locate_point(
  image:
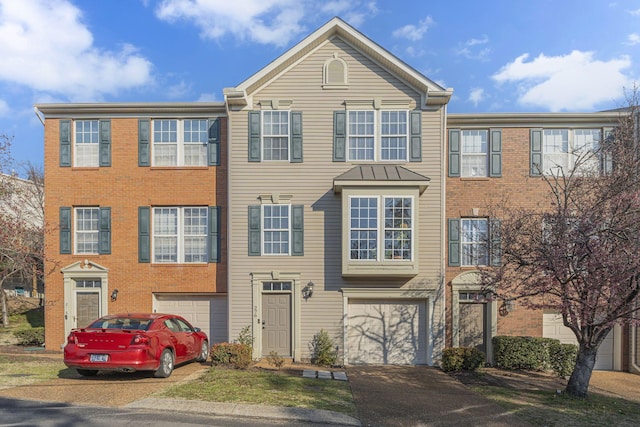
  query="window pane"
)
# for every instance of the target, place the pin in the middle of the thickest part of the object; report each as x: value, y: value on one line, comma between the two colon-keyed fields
x: 195, y: 232
x: 474, y: 152
x: 555, y: 148
x: 165, y: 234
x: 394, y: 135
x: 398, y: 226
x: 87, y: 230
x: 586, y: 143
x: 276, y: 229
x: 86, y: 143
x: 196, y: 138
x: 275, y: 131
x: 363, y: 233
x: 361, y: 135
x: 474, y: 241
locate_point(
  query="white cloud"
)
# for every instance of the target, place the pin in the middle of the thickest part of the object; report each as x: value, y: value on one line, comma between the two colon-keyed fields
x: 414, y: 32
x: 208, y: 97
x: 61, y: 57
x: 4, y: 108
x: 575, y: 81
x: 633, y: 39
x: 634, y: 12
x: 263, y: 21
x: 476, y: 96
x: 471, y: 49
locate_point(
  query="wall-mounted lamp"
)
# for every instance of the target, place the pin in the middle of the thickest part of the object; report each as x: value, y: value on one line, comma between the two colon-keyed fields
x: 507, y: 307
x: 307, y: 291
x: 114, y: 295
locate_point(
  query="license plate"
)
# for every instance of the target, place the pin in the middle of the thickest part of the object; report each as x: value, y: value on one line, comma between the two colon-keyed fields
x: 99, y: 357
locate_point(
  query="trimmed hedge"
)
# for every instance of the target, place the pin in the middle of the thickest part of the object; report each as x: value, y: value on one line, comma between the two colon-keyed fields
x: 30, y: 336
x: 455, y: 359
x: 534, y: 354
x: 231, y: 354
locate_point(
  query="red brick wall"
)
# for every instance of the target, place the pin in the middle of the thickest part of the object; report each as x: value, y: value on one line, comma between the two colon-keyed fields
x: 464, y: 194
x: 124, y: 187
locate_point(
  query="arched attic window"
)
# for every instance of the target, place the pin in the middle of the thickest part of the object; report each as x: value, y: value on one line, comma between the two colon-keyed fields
x: 334, y: 73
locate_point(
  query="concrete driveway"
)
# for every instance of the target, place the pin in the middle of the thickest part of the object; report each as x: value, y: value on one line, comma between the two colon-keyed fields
x: 420, y: 396
x: 107, y: 389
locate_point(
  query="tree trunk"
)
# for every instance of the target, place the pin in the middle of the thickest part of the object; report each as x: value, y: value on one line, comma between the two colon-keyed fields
x: 5, y: 309
x: 578, y: 384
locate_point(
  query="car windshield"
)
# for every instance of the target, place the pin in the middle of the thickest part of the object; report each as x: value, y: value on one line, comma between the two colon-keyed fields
x: 121, y: 323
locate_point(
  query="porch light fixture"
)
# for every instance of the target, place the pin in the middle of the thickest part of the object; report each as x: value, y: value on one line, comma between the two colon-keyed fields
x: 307, y: 291
x: 114, y: 295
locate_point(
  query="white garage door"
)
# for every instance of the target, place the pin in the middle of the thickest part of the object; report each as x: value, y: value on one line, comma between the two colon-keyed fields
x: 552, y: 327
x: 206, y: 312
x: 387, y: 332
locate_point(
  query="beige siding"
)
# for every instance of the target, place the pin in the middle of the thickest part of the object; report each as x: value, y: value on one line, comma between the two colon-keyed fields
x: 310, y: 184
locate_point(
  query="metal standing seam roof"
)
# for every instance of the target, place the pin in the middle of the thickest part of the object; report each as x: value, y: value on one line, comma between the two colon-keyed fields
x: 381, y: 175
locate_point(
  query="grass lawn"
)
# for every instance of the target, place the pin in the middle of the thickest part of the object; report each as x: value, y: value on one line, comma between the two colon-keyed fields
x: 546, y: 408
x: 263, y: 387
x: 24, y: 370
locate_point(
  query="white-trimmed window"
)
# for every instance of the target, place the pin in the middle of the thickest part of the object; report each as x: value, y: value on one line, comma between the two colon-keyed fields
x: 180, y: 142
x: 275, y: 135
x: 393, y: 233
x: 377, y: 135
x: 180, y: 234
x: 474, y: 241
x: 86, y: 230
x: 562, y: 148
x: 473, y: 153
x: 275, y: 229
x: 86, y: 143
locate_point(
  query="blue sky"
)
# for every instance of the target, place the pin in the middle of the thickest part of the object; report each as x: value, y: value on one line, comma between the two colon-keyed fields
x: 497, y: 55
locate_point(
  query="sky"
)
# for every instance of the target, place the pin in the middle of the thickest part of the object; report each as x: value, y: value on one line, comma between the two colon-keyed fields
x: 497, y: 55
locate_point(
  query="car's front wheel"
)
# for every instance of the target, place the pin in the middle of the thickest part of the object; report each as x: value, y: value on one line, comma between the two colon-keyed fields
x: 204, y: 352
x: 87, y: 372
x: 166, y: 364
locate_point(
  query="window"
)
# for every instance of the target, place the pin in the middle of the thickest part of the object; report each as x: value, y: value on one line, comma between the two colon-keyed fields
x: 87, y: 231
x: 368, y: 141
x: 474, y: 153
x: 275, y: 229
x: 275, y: 134
x: 365, y: 230
x: 180, y: 142
x: 180, y: 234
x: 564, y: 149
x: 474, y: 241
x: 276, y: 286
x: 87, y: 143
x: 88, y: 283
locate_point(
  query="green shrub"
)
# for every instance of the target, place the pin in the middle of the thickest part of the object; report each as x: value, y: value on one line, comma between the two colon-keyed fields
x: 562, y: 358
x: 30, y: 336
x: 527, y: 353
x: 323, y: 351
x: 275, y: 360
x: 234, y: 355
x: 455, y: 359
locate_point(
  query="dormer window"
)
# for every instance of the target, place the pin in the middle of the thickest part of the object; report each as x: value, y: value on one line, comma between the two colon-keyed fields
x: 334, y: 73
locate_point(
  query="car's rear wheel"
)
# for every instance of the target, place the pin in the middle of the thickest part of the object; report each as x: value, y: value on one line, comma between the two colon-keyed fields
x: 166, y: 364
x: 204, y: 352
x: 87, y: 372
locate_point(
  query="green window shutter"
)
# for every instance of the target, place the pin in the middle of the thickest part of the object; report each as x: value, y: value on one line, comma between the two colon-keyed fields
x: 105, y: 143
x: 495, y: 250
x: 454, y: 152
x: 213, y: 148
x: 65, y: 143
x: 297, y: 230
x: 454, y: 242
x: 296, y: 137
x: 144, y: 234
x: 606, y: 160
x: 339, y: 136
x: 254, y: 136
x: 536, y: 166
x: 104, y: 231
x: 495, y: 153
x: 65, y: 230
x: 415, y: 142
x: 214, y: 233
x: 255, y: 240
x: 144, y: 141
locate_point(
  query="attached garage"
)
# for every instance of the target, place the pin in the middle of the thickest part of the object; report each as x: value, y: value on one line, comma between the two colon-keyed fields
x: 385, y: 332
x: 206, y: 312
x: 552, y: 327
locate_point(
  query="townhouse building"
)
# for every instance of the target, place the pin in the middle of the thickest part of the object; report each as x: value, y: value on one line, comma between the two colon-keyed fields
x: 329, y: 191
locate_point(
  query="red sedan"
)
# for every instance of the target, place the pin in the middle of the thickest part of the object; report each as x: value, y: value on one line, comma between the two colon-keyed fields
x: 135, y: 342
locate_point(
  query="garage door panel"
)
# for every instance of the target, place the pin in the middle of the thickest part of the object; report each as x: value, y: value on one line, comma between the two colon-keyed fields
x: 205, y: 312
x: 387, y: 332
x: 553, y: 327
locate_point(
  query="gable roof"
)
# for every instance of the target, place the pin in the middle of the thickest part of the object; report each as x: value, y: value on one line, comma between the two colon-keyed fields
x: 432, y: 92
x: 380, y: 175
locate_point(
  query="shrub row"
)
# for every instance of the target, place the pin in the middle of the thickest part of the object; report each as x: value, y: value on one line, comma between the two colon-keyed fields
x: 534, y: 353
x: 30, y: 336
x: 456, y: 359
x: 233, y: 355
